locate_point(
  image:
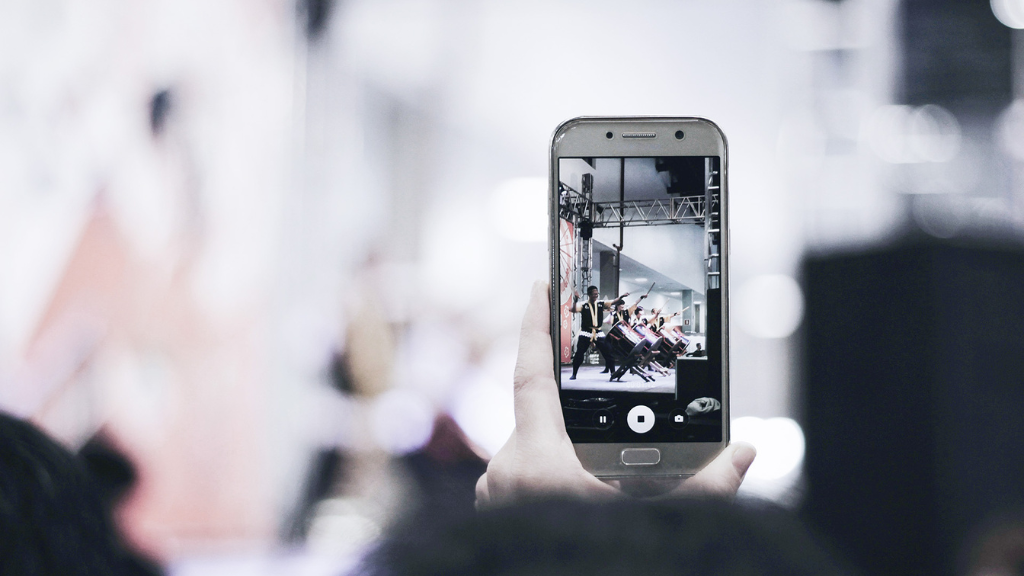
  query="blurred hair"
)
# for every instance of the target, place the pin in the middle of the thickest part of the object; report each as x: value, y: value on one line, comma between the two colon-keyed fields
x: 52, y: 517
x: 592, y: 288
x: 566, y: 536
x: 111, y: 471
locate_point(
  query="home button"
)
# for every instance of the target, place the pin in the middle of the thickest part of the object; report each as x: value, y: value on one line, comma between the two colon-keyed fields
x: 641, y: 456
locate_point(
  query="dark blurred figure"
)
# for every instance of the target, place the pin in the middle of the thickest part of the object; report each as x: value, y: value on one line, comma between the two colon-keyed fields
x: 997, y: 547
x: 441, y: 475
x: 445, y: 470
x: 325, y: 472
x: 620, y: 537
x: 53, y: 520
x: 115, y: 476
x: 914, y: 391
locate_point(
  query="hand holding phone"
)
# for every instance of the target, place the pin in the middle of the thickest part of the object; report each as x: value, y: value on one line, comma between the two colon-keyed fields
x: 539, y: 457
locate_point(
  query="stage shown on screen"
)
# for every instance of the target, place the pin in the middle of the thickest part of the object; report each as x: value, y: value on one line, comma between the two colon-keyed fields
x: 639, y: 295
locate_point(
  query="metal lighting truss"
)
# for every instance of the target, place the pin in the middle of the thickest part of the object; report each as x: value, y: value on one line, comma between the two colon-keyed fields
x: 677, y: 210
x: 712, y: 228
x: 615, y: 213
x: 701, y: 210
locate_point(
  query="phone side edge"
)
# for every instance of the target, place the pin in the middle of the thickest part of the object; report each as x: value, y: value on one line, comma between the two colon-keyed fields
x: 554, y: 249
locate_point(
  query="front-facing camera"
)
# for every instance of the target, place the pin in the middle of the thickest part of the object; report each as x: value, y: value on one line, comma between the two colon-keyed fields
x: 609, y: 135
x: 679, y: 134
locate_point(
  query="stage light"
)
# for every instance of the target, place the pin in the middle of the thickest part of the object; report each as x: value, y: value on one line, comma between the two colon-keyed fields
x: 641, y: 279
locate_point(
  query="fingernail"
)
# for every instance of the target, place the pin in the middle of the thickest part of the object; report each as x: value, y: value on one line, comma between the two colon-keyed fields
x: 743, y: 457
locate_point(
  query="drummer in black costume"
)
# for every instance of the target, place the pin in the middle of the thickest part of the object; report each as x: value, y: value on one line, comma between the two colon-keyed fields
x: 592, y: 318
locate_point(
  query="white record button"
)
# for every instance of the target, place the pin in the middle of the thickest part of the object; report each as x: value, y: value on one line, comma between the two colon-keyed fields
x: 640, y: 419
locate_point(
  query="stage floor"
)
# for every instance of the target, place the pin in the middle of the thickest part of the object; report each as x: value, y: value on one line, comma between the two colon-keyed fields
x: 590, y: 378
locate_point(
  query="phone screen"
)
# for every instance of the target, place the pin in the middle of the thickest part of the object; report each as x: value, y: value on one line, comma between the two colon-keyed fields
x: 640, y: 299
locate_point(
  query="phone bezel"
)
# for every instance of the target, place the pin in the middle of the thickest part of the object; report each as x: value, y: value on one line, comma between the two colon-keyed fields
x: 584, y: 137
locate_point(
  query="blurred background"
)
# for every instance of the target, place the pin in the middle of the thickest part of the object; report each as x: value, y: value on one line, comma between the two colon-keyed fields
x: 275, y: 252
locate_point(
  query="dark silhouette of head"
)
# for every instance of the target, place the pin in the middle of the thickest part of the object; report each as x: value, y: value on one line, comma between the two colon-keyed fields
x: 52, y: 516
x: 627, y: 537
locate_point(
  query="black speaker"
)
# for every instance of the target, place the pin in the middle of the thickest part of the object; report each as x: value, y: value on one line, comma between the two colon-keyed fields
x: 586, y: 229
x: 913, y: 391
x: 693, y: 381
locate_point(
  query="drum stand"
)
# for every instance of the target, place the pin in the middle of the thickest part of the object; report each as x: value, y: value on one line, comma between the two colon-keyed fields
x: 630, y: 363
x: 648, y: 360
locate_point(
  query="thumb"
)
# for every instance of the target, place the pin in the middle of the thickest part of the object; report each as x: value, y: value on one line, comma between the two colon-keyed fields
x: 537, y: 405
x: 723, y: 476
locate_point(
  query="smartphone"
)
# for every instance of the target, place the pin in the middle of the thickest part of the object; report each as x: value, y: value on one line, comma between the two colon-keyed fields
x: 639, y: 233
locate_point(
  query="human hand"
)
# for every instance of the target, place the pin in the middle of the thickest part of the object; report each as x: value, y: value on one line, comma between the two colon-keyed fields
x: 539, y: 457
x: 644, y: 296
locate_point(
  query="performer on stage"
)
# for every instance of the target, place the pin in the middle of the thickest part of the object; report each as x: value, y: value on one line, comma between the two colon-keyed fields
x: 622, y: 314
x: 638, y: 317
x: 658, y: 321
x: 590, y: 329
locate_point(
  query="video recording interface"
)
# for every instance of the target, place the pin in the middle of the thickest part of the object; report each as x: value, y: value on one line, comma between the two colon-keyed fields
x: 640, y: 310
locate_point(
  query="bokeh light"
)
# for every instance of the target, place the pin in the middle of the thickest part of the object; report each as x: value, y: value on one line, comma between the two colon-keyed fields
x: 1009, y: 12
x: 902, y: 134
x: 768, y: 306
x: 401, y: 420
x: 779, y: 443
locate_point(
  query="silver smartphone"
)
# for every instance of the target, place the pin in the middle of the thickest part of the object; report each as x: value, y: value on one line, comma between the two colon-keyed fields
x: 640, y: 292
